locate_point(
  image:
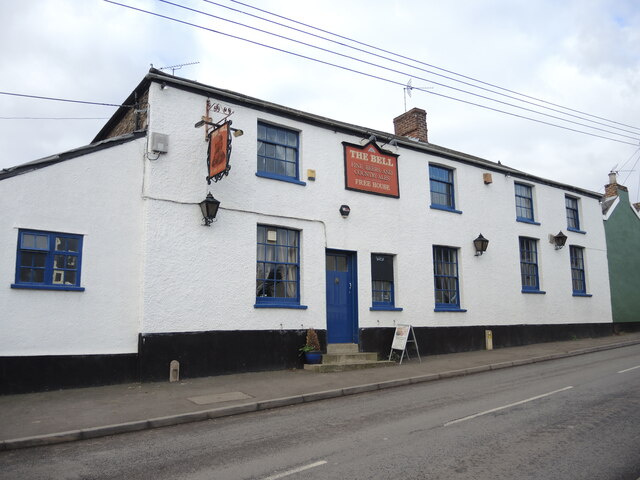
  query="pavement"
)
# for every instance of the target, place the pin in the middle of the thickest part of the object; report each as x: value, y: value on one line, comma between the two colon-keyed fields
x: 46, y: 418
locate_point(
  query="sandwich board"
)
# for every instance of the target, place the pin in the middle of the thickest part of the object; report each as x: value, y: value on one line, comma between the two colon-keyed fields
x: 401, y: 338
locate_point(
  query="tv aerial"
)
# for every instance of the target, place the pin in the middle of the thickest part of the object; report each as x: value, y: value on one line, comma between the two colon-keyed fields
x: 173, y: 68
x: 407, y: 91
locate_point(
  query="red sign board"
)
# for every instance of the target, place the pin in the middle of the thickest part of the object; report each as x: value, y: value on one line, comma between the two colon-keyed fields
x: 371, y: 170
x: 219, y: 152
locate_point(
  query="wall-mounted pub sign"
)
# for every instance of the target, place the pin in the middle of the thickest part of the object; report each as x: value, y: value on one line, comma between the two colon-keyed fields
x: 371, y: 170
x: 219, y: 152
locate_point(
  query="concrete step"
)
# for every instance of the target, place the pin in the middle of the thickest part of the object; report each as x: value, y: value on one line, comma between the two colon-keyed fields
x: 327, y: 368
x: 341, y: 348
x: 343, y: 358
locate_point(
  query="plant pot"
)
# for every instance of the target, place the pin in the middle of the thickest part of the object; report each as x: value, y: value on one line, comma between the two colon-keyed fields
x: 313, y: 357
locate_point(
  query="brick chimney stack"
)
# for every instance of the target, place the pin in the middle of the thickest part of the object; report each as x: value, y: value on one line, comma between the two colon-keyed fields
x: 611, y: 189
x: 412, y: 124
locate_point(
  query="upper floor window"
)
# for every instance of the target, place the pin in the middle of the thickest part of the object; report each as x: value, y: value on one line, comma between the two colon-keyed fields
x: 578, y: 280
x: 48, y: 260
x: 278, y: 151
x: 573, y: 214
x: 524, y: 203
x: 382, y: 283
x: 278, y: 266
x: 442, y: 188
x: 529, y: 265
x: 445, y: 276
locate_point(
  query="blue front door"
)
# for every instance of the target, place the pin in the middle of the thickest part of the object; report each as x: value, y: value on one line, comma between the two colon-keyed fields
x: 342, y: 317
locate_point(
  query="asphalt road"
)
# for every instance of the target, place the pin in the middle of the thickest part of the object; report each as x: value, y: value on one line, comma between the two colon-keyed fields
x: 575, y: 418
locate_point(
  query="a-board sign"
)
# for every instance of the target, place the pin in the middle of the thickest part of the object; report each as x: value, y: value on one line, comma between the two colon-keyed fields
x: 400, y: 337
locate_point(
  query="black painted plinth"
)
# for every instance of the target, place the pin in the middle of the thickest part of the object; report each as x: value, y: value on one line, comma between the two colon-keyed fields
x: 40, y: 373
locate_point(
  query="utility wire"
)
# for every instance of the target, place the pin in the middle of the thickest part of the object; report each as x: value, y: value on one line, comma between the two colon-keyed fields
x: 54, y: 118
x: 342, y: 67
x: 349, y: 57
x: 413, y: 66
x: 64, y: 100
x: 633, y: 167
x: 430, y: 65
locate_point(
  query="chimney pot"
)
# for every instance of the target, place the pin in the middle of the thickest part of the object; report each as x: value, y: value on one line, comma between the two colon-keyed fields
x: 611, y: 189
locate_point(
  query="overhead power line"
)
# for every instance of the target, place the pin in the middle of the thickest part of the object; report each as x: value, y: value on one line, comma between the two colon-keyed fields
x: 64, y: 100
x: 353, y: 70
x: 359, y: 60
x: 416, y: 67
x: 54, y: 118
x: 422, y: 63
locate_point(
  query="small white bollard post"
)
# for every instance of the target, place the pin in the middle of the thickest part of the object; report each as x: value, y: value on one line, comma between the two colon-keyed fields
x: 174, y: 371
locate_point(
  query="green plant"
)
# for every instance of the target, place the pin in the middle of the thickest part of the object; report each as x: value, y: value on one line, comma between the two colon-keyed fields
x: 312, y: 343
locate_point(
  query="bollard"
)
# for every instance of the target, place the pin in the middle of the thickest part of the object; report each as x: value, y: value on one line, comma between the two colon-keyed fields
x: 488, y: 337
x: 174, y: 371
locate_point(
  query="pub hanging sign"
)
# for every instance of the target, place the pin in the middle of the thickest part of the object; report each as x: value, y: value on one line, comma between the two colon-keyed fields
x: 369, y: 169
x: 219, y: 152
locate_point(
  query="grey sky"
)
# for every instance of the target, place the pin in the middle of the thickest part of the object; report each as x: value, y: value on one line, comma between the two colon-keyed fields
x: 583, y: 54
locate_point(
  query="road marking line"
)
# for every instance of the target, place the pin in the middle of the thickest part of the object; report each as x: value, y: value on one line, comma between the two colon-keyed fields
x: 506, y: 406
x: 628, y: 370
x: 296, y: 470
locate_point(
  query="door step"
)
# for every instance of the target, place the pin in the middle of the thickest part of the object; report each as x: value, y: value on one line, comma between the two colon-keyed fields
x: 342, y: 357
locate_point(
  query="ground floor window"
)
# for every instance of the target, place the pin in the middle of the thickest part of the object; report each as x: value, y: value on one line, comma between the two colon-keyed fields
x: 578, y: 280
x: 278, y: 266
x: 445, y: 275
x: 529, y: 264
x: 382, y: 288
x: 49, y: 260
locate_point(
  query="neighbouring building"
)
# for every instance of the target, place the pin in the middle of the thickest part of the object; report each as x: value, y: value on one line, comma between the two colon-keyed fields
x: 110, y: 274
x: 622, y: 230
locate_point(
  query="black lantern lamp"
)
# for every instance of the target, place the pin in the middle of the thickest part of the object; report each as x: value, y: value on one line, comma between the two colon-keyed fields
x: 209, y: 207
x: 481, y: 245
x: 345, y: 211
x: 559, y: 240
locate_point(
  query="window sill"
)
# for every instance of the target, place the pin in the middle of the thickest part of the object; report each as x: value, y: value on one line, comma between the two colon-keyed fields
x: 273, y: 176
x: 294, y: 306
x: 445, y: 208
x: 385, y: 309
x: 538, y: 292
x: 448, y: 309
x: 65, y: 288
x: 575, y: 230
x: 577, y: 294
x: 526, y: 220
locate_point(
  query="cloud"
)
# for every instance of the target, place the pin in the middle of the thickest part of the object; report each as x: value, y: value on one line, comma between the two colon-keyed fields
x: 581, y: 54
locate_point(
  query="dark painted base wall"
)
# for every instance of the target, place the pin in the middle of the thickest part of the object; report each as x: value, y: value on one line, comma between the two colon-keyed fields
x: 36, y: 374
x: 441, y: 340
x: 224, y: 352
x: 220, y: 352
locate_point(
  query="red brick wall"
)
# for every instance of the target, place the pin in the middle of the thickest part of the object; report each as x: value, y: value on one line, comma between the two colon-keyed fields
x: 412, y: 124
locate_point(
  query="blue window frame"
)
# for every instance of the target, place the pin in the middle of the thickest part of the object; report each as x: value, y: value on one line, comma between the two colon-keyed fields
x: 278, y: 153
x: 578, y: 280
x: 382, y: 282
x: 278, y: 266
x: 445, y: 276
x: 442, y: 188
x: 524, y: 203
x: 529, y: 264
x: 48, y: 260
x: 573, y: 214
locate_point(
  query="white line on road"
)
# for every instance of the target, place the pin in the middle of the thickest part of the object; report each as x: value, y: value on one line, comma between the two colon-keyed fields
x: 296, y: 470
x: 506, y: 406
x: 628, y: 370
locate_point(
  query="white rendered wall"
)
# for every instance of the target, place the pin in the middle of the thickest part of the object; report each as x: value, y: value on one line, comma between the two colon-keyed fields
x: 199, y: 279
x: 96, y: 195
